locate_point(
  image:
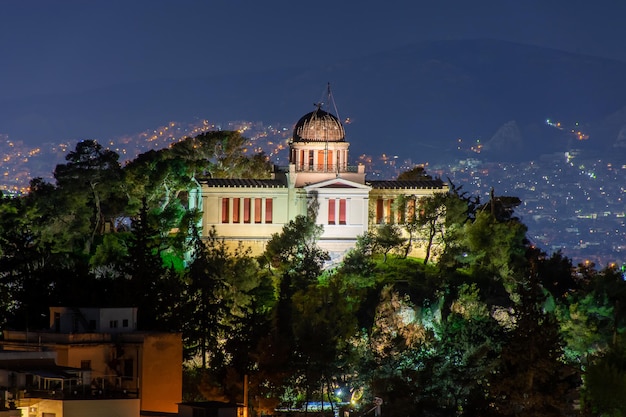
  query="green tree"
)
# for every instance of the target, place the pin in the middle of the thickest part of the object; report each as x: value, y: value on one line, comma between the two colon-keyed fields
x: 294, y: 252
x: 460, y: 209
x: 324, y: 324
x: 358, y: 261
x: 496, y: 247
x: 605, y: 383
x: 387, y: 238
x: 461, y: 360
x: 205, y: 307
x: 532, y: 378
x: 414, y: 174
x: 431, y: 221
x: 92, y: 178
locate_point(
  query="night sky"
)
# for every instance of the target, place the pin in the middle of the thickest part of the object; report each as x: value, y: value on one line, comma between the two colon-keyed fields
x: 51, y: 46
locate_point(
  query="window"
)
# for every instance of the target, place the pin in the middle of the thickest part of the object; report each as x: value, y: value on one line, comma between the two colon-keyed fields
x: 342, y: 211
x: 301, y: 159
x: 246, y: 210
x: 225, y: 210
x: 85, y: 365
x: 92, y: 325
x: 331, y: 211
x: 389, y: 211
x: 268, y: 210
x: 258, y: 204
x: 379, y: 211
x: 311, y: 153
x: 236, y: 211
x: 113, y: 324
x: 125, y: 323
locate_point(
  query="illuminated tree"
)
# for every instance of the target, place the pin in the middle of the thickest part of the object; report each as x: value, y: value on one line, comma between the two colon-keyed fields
x: 496, y: 247
x: 358, y: 261
x: 431, y: 221
x: 92, y: 179
x: 466, y: 352
x: 387, y: 238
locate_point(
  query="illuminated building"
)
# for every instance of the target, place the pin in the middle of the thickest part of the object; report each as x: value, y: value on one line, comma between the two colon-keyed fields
x: 250, y: 211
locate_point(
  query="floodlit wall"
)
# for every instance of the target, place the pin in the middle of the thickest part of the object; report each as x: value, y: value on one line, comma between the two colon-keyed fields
x: 101, y: 408
x: 161, y: 376
x: 82, y: 408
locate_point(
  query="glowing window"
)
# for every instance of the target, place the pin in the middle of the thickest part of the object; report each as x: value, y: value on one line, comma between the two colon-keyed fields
x: 225, y: 210
x: 379, y: 211
x: 342, y: 211
x: 331, y: 211
x: 258, y: 204
x: 268, y: 210
x: 246, y: 210
x: 236, y: 210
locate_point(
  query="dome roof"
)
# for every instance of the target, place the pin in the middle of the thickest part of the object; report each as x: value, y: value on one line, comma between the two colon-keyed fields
x: 318, y: 126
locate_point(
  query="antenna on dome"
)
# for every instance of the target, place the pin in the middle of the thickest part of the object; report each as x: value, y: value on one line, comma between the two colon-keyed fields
x: 329, y: 101
x: 332, y: 100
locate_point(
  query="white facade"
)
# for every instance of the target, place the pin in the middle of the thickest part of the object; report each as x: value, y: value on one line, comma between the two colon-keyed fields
x: 318, y: 174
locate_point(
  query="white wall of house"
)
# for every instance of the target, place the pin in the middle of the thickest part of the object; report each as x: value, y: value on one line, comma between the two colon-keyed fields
x: 105, y: 320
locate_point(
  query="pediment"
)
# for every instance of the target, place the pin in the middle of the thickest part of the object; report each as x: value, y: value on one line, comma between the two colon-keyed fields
x: 338, y: 184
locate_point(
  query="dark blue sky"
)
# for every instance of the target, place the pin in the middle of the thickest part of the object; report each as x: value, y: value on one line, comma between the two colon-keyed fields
x: 51, y: 46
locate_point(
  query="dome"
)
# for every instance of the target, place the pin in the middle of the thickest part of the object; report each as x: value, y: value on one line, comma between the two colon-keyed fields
x: 318, y: 126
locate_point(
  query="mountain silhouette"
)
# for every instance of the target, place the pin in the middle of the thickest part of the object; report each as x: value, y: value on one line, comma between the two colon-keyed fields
x: 415, y: 101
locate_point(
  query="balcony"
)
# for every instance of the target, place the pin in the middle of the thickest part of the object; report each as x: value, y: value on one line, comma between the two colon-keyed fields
x: 27, y: 396
x: 320, y: 168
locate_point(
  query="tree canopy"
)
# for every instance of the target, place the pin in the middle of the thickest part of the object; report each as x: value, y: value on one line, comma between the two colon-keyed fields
x: 484, y: 324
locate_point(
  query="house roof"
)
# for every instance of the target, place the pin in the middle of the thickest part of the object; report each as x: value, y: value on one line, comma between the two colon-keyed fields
x: 408, y: 185
x: 46, y: 368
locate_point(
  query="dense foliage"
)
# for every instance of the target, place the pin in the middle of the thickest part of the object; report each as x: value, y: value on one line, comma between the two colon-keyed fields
x: 484, y: 325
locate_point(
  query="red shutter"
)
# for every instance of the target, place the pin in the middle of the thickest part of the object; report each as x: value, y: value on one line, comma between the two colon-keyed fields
x: 236, y: 210
x: 225, y: 210
x: 342, y: 211
x: 257, y: 209
x: 331, y: 211
x: 246, y: 210
x: 268, y: 210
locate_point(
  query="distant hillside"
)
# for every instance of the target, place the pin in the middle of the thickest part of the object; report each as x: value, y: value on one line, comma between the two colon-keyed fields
x: 415, y: 101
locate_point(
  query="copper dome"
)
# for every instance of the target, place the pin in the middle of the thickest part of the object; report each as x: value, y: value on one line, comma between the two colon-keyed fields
x: 318, y: 126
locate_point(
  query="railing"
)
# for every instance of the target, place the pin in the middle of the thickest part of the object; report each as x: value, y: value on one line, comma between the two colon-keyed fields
x: 79, y: 392
x: 322, y: 168
x: 39, y: 338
